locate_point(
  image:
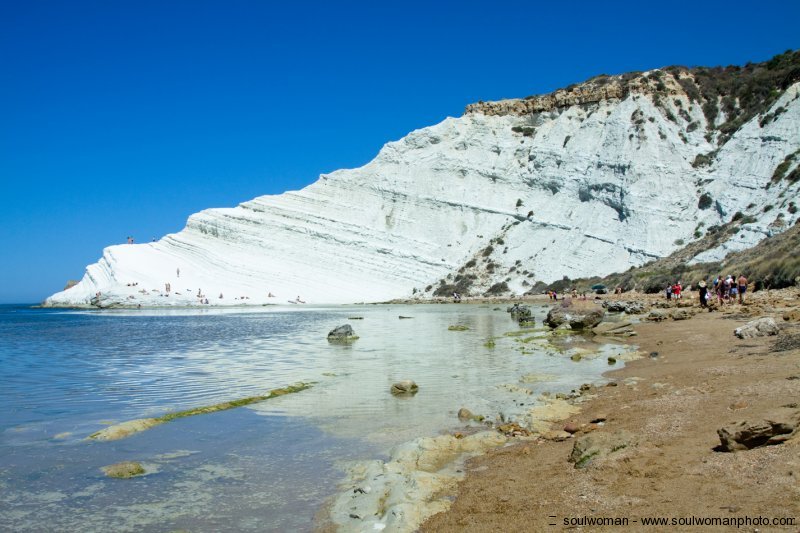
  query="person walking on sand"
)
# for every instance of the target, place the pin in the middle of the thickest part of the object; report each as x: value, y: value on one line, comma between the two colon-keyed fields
x: 178, y: 271
x: 703, y: 290
x: 742, y: 283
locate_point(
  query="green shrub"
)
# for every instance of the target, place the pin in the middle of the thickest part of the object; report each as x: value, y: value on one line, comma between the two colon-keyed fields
x: 497, y: 288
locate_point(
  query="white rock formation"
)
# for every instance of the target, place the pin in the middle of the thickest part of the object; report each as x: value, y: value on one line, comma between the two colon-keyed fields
x: 585, y: 183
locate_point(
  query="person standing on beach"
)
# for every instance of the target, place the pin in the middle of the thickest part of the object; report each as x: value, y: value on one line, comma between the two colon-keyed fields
x: 178, y: 271
x: 742, y: 282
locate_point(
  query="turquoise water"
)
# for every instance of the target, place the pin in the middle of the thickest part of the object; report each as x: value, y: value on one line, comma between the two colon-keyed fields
x: 268, y: 467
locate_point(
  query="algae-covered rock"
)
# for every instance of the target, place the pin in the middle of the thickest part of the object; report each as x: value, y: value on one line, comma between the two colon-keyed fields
x: 595, y: 445
x: 125, y: 429
x: 458, y: 327
x: 124, y: 470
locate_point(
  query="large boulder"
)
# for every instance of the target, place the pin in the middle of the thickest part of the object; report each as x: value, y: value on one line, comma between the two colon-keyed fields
x: 757, y: 328
x: 576, y: 317
x: 747, y: 435
x: 343, y: 333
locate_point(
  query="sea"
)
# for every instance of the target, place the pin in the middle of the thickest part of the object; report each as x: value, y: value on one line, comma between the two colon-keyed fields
x: 270, y: 466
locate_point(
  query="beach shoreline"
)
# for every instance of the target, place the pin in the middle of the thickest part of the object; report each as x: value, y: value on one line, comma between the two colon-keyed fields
x: 663, y: 412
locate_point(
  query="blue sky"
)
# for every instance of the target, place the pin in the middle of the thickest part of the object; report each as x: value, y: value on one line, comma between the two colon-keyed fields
x: 123, y: 118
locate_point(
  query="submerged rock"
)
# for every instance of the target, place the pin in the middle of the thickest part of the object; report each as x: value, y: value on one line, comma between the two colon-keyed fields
x: 757, y: 328
x: 125, y: 429
x: 465, y: 414
x: 124, y: 470
x: 404, y: 387
x: 342, y: 333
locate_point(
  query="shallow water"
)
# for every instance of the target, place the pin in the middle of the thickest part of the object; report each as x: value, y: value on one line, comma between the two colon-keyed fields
x: 267, y: 467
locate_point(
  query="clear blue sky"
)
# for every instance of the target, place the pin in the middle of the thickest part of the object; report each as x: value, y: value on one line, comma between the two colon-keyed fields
x: 123, y: 118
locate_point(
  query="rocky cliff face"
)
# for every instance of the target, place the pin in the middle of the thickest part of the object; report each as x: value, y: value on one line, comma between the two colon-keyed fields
x: 589, y: 180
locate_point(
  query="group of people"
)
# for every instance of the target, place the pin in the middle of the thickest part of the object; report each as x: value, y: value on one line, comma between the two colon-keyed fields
x: 674, y: 291
x: 727, y: 289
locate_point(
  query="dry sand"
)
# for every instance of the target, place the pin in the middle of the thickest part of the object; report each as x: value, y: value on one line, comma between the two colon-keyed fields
x: 698, y: 378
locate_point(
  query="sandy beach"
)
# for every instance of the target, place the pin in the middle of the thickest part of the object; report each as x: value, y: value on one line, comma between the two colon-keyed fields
x: 650, y: 438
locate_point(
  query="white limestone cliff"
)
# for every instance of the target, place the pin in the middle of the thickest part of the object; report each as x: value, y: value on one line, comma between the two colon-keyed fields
x: 586, y: 183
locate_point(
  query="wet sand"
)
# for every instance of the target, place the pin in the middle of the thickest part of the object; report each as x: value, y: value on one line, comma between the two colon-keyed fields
x: 697, y: 377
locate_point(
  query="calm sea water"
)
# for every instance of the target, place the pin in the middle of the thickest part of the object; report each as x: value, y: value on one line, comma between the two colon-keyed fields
x: 268, y: 467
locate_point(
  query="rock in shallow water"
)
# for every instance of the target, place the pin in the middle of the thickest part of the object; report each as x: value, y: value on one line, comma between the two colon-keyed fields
x: 576, y: 318
x: 404, y: 387
x: 124, y: 470
x: 342, y: 333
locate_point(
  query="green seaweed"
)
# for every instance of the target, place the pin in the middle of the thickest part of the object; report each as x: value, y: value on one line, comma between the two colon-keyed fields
x: 583, y: 462
x: 234, y: 403
x: 223, y: 406
x: 458, y: 327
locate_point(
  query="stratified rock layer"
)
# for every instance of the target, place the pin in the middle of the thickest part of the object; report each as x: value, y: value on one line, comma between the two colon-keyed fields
x: 586, y: 181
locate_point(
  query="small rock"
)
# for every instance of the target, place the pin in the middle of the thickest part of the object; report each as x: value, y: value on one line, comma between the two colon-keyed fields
x: 576, y: 357
x: 738, y: 406
x: 465, y: 414
x: 747, y: 435
x: 599, y: 418
x: 571, y: 427
x: 124, y: 470
x: 404, y: 387
x: 612, y: 360
x: 598, y: 444
x: 556, y: 436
